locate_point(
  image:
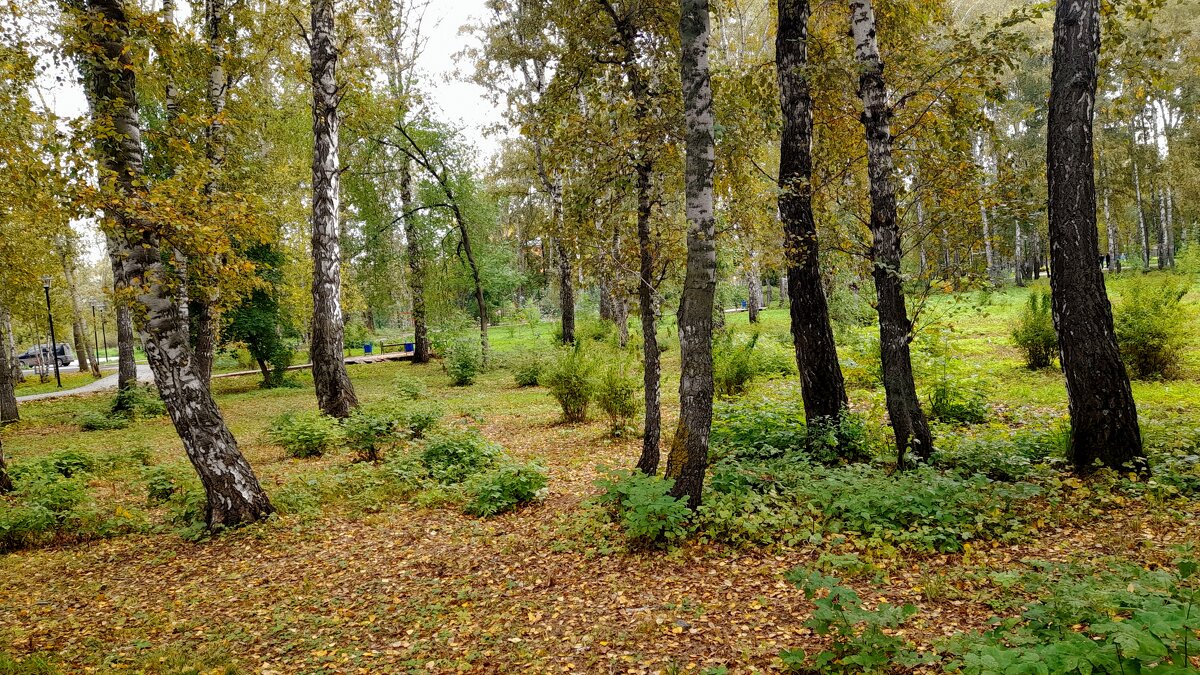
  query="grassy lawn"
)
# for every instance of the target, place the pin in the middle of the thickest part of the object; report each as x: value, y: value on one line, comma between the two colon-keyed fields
x: 71, y: 378
x: 349, y: 580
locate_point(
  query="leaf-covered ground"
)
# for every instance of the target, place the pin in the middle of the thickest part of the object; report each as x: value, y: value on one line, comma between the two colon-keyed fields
x: 548, y: 588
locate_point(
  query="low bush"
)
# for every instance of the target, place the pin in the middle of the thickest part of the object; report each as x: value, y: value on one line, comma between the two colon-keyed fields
x: 571, y: 382
x: 644, y: 508
x: 307, y: 434
x: 139, y: 401
x: 1149, y: 332
x: 408, y: 388
x: 98, y: 421
x: 160, y: 484
x: 957, y: 403
x: 617, y: 396
x: 44, y: 507
x: 1034, y: 333
x: 509, y: 485
x: 1127, y: 620
x: 370, y: 431
x: 453, y: 456
x: 463, y: 362
x: 528, y: 369
x: 771, y: 427
x: 861, y: 640
x: 737, y: 361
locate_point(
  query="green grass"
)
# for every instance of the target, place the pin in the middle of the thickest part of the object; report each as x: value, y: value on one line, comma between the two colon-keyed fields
x: 71, y: 378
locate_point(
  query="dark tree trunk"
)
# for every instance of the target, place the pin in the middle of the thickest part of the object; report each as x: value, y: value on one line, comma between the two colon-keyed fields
x: 233, y: 492
x: 895, y: 330
x: 335, y: 393
x: 626, y: 34
x: 416, y: 267
x: 689, y: 447
x: 5, y: 482
x: 8, y: 396
x: 1104, y: 424
x: 566, y: 288
x: 822, y: 386
x: 1019, y: 257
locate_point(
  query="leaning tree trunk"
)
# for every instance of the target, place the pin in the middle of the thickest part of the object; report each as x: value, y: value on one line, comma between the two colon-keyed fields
x: 335, y: 393
x: 5, y: 482
x: 233, y: 492
x: 480, y: 304
x: 689, y: 448
x: 8, y: 395
x: 1104, y: 425
x: 821, y: 384
x: 895, y: 330
x: 416, y: 267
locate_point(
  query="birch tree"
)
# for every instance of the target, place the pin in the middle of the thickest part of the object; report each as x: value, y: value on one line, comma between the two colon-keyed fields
x: 101, y: 42
x: 1104, y: 424
x: 335, y: 392
x: 688, y: 459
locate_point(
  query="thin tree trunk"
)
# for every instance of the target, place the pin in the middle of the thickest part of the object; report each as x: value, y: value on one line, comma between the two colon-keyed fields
x: 17, y: 374
x: 1104, y: 425
x: 1019, y: 256
x: 335, y: 393
x: 126, y: 366
x: 895, y: 330
x: 1142, y: 229
x: 1110, y: 228
x: 566, y: 287
x: 83, y: 347
x: 822, y: 386
x: 6, y: 484
x: 688, y: 459
x: 8, y: 396
x: 1163, y: 253
x: 416, y: 266
x: 233, y: 493
x: 626, y: 34
x: 987, y: 240
x: 1170, y: 227
x: 480, y: 304
x: 754, y: 290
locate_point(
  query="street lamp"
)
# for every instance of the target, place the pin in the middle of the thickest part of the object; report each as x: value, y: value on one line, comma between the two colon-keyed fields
x: 53, y: 339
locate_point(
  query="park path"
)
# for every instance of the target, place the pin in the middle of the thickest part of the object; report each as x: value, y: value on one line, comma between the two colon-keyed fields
x: 105, y: 383
x: 109, y: 382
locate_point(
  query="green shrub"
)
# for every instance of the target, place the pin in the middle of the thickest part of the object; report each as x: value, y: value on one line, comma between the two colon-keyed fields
x: 508, y: 486
x: 773, y: 427
x: 139, y: 401
x: 160, y: 484
x: 418, y: 418
x: 408, y: 388
x: 97, y: 421
x: 528, y: 369
x: 738, y: 361
x: 955, y: 403
x: 1129, y: 620
x: 861, y: 640
x: 1149, y: 331
x: 571, y: 382
x: 307, y: 434
x: 67, y: 463
x: 453, y: 456
x: 617, y: 395
x: 593, y: 330
x: 644, y: 508
x: 463, y: 362
x: 45, y: 506
x: 1034, y: 333
x: 370, y: 431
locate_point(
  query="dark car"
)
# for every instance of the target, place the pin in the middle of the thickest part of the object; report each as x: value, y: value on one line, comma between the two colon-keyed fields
x: 63, y: 353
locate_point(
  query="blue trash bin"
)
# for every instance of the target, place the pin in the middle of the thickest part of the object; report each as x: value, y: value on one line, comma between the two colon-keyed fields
x: 368, y: 348
x: 410, y: 346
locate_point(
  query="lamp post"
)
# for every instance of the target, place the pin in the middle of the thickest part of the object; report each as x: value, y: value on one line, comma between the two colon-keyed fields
x: 53, y: 339
x: 104, y: 330
x: 96, y: 337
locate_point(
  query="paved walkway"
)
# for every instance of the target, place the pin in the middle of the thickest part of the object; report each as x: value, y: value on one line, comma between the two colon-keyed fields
x: 109, y: 382
x: 105, y: 383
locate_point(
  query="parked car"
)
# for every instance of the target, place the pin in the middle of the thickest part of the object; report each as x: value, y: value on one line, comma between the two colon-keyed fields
x: 63, y: 353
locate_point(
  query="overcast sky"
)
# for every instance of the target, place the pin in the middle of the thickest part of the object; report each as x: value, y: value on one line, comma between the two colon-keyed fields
x: 463, y: 104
